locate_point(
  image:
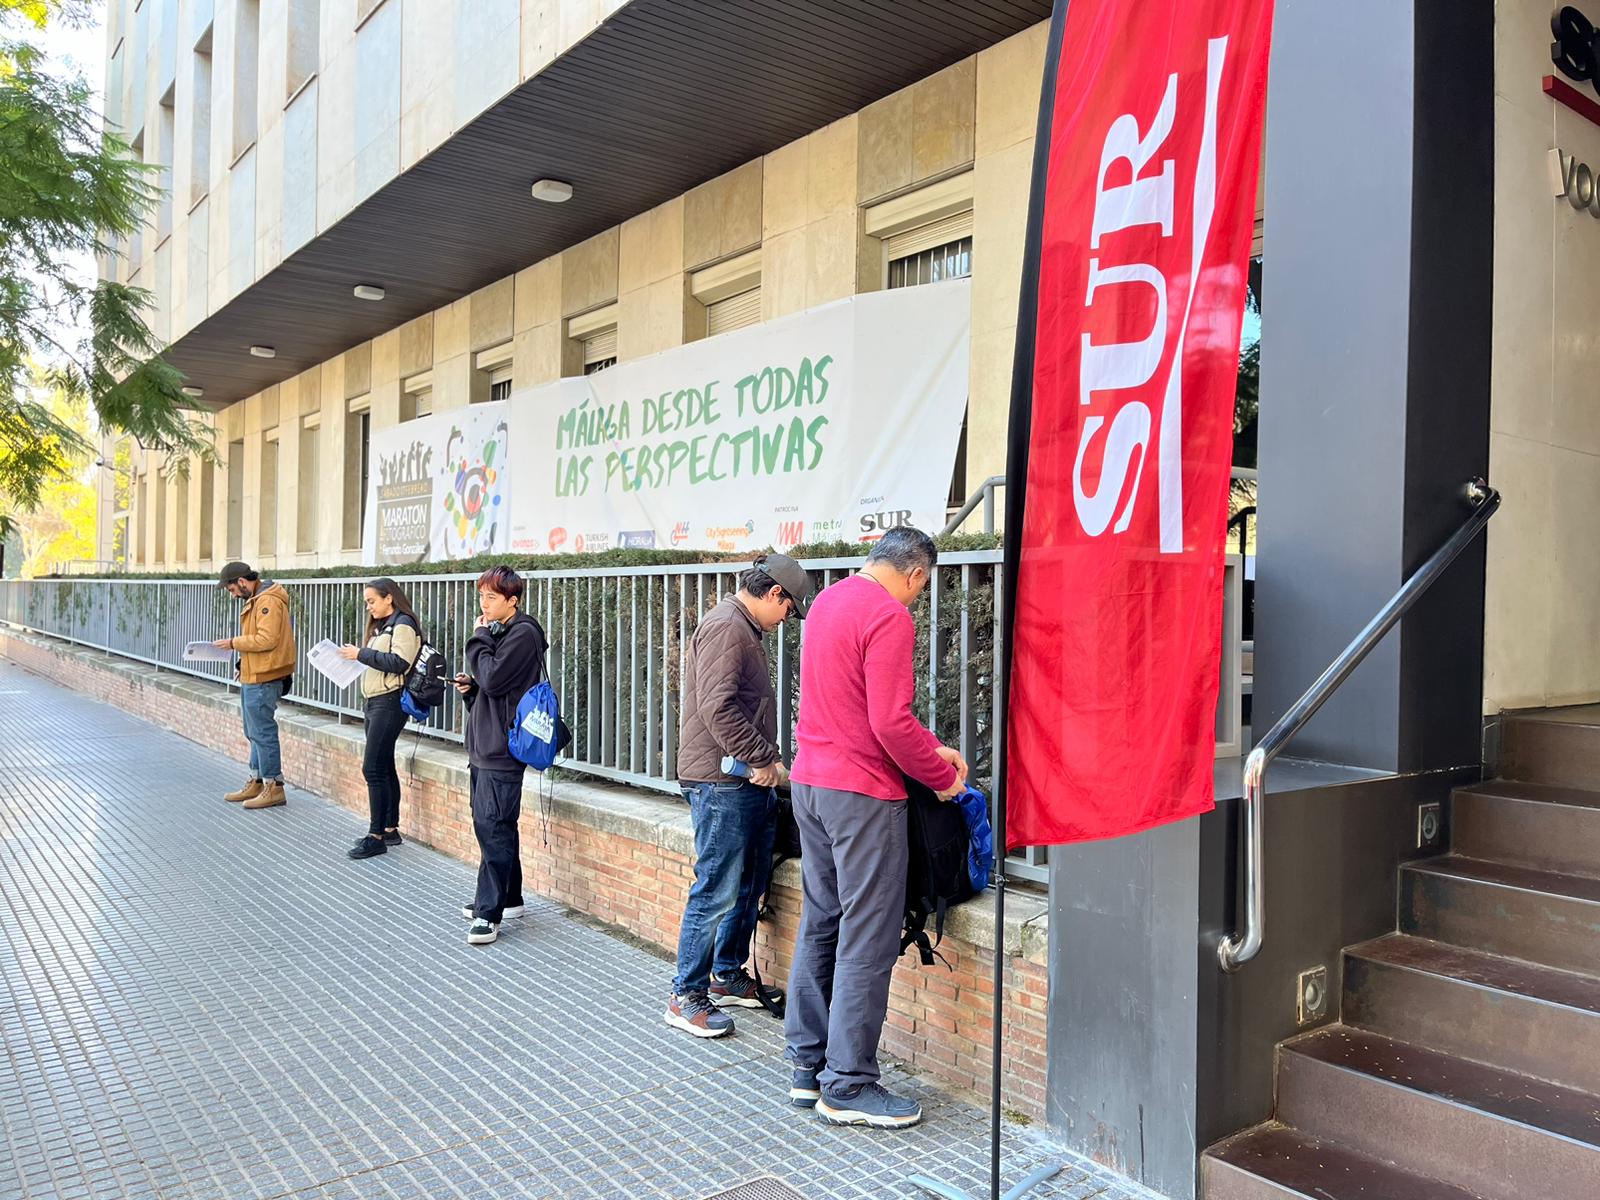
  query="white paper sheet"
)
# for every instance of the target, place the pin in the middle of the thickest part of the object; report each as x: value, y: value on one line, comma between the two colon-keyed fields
x: 206, y: 652
x: 324, y: 656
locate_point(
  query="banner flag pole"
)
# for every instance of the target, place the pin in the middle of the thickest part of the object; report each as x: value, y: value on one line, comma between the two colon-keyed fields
x: 1140, y: 217
x: 1016, y: 489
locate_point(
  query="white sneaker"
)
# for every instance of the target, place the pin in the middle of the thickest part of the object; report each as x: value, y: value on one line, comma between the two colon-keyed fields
x: 510, y: 912
x: 482, y: 933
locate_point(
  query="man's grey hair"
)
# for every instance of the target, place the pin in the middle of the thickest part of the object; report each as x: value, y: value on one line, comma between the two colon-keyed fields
x: 905, y: 549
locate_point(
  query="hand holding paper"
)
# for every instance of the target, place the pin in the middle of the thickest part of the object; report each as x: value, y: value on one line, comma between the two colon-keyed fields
x: 206, y: 652
x: 325, y: 657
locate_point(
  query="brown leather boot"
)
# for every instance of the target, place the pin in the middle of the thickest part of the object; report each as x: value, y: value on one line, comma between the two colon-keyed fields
x: 271, y: 796
x: 248, y: 792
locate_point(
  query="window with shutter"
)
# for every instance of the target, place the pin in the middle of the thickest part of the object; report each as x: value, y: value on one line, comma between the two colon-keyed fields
x: 601, y: 347
x: 938, y: 250
x: 736, y: 312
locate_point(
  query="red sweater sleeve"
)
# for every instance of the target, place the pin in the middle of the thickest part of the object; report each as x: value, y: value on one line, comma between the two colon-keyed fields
x: 890, y: 647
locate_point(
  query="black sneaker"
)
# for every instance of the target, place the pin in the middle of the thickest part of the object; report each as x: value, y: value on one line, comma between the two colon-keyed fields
x: 509, y: 913
x: 804, y: 1090
x: 739, y: 990
x: 368, y: 847
x: 483, y: 932
x: 391, y: 837
x: 872, y: 1105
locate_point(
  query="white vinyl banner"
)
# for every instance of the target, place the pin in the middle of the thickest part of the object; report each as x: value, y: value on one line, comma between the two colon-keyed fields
x: 436, y: 487
x: 832, y: 424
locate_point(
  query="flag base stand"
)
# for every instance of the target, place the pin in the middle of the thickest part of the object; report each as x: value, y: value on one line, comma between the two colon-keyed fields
x: 935, y: 1188
x: 1050, y: 1171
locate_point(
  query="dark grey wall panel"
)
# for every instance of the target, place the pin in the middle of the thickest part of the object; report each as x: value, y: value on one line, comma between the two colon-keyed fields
x: 1123, y: 949
x: 1447, y: 417
x: 1334, y: 364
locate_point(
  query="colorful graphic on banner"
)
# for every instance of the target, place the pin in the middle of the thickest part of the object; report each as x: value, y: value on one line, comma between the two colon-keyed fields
x: 1146, y: 224
x: 438, y: 487
x: 838, y: 422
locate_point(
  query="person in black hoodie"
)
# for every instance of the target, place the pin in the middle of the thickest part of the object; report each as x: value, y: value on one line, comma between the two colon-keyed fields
x: 505, y: 657
x: 394, y: 639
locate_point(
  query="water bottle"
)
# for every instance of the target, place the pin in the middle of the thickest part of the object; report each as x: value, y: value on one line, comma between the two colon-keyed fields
x: 735, y: 767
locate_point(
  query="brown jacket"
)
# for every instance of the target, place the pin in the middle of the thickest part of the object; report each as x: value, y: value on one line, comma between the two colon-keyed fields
x: 728, y: 704
x: 266, y: 639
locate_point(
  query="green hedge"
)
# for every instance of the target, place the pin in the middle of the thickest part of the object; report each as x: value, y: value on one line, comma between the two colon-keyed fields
x: 954, y: 543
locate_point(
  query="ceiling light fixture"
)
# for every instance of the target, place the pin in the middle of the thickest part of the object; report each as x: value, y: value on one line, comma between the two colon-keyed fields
x: 552, y: 191
x: 194, y: 393
x: 368, y: 291
x: 263, y: 352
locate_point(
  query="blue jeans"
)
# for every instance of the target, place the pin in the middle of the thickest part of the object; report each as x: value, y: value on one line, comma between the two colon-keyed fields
x: 259, y: 702
x: 734, y: 824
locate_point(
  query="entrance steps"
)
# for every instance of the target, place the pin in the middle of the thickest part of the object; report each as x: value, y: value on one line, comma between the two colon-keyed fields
x: 1466, y: 1065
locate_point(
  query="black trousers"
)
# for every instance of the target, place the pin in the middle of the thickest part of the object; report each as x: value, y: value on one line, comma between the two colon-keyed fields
x: 385, y: 723
x: 496, y: 806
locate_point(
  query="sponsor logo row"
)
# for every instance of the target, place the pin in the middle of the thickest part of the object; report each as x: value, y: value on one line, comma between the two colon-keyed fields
x: 870, y: 527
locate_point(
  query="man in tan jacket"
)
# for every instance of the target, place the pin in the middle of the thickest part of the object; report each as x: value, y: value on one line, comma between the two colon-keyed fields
x: 266, y: 664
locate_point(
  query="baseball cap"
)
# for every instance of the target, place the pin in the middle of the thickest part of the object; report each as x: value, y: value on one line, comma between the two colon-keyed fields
x: 233, y: 572
x: 791, y: 577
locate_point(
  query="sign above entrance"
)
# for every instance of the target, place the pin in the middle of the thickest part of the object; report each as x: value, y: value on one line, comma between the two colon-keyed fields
x: 1575, y: 182
x: 1576, y: 54
x: 1576, y: 49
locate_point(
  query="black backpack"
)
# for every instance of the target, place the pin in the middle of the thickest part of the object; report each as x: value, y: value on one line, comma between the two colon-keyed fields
x: 425, y: 683
x: 937, y: 878
x: 785, y: 845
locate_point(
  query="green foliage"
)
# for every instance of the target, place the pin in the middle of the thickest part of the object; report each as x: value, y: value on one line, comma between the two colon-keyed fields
x: 955, y: 543
x: 68, y: 190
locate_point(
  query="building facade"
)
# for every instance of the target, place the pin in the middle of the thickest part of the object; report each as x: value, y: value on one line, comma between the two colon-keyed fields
x: 1429, y: 316
x: 274, y: 121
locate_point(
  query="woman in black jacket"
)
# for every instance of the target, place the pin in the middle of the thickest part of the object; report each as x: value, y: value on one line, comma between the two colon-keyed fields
x: 394, y: 639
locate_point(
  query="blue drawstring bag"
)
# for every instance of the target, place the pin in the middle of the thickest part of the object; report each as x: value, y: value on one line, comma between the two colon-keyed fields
x: 980, y: 837
x: 538, y: 734
x: 409, y: 706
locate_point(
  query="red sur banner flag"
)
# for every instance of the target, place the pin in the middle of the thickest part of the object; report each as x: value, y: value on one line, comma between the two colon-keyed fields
x: 1144, y: 248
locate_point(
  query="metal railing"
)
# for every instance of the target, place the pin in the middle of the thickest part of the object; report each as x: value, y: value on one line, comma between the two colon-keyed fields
x: 1237, y: 949
x: 618, y: 637
x: 984, y: 496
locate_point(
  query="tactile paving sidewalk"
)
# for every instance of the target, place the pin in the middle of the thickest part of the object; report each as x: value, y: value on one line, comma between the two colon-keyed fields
x: 207, y: 1003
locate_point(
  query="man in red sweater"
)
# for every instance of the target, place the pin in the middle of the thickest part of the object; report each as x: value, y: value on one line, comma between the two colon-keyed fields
x: 856, y: 740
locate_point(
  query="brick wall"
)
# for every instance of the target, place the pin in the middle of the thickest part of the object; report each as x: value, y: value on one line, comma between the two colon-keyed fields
x: 617, y: 854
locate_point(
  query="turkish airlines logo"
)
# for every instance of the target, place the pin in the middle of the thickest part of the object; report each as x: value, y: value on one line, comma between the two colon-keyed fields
x: 1117, y: 379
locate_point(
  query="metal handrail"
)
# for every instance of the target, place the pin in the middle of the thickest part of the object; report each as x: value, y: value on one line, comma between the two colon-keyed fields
x: 985, y: 496
x: 1235, y: 951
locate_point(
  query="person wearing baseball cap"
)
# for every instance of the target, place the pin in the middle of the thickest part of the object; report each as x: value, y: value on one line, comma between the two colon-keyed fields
x: 728, y: 767
x: 266, y: 650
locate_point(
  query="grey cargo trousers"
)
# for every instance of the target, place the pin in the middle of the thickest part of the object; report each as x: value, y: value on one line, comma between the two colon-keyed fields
x: 853, y: 867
